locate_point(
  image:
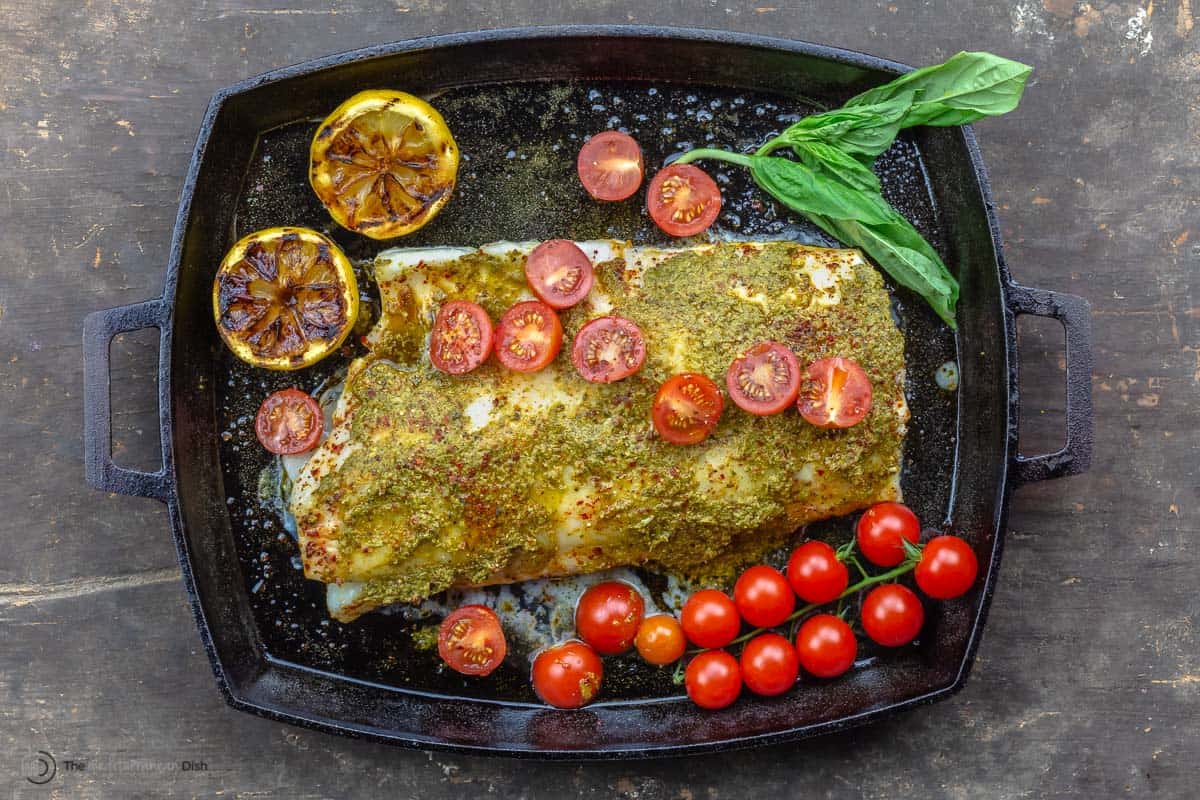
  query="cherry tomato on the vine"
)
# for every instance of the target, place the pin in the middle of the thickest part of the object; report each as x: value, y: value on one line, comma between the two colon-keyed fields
x: 567, y: 675
x: 608, y: 615
x: 880, y: 530
x: 713, y: 679
x: 892, y: 615
x: 710, y: 619
x: 763, y: 596
x: 947, y: 567
x: 826, y: 646
x: 769, y: 664
x: 660, y: 639
x: 816, y: 574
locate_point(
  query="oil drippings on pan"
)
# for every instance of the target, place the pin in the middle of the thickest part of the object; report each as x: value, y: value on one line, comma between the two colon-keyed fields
x: 517, y: 181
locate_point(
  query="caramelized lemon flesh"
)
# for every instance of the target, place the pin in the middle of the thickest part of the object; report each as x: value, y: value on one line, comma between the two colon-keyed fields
x: 383, y: 163
x: 284, y: 298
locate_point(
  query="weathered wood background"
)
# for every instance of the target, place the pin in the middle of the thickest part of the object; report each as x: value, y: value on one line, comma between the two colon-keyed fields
x: 1088, y: 680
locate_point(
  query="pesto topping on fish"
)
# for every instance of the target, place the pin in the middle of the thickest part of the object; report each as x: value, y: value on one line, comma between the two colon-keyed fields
x: 496, y: 475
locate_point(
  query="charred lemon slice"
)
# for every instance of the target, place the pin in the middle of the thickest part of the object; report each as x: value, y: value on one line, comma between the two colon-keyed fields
x: 284, y: 298
x: 383, y: 163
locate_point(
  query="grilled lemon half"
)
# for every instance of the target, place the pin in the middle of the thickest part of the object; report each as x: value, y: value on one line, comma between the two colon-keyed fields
x: 383, y: 163
x: 284, y: 298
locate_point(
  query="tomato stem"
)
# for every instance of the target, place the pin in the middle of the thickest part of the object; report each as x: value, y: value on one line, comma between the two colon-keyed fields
x: 717, y: 155
x: 870, y: 580
x: 861, y: 569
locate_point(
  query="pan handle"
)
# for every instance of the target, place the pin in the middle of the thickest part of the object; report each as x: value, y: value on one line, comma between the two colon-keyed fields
x: 99, y: 328
x: 1074, y: 314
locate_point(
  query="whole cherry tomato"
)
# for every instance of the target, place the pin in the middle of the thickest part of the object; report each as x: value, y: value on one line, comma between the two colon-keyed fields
x: 826, y: 646
x: 660, y: 639
x: 769, y: 664
x: 816, y: 574
x: 947, y: 567
x: 710, y: 619
x: 763, y: 596
x: 892, y: 615
x: 567, y: 675
x: 608, y: 615
x: 713, y: 679
x: 880, y: 530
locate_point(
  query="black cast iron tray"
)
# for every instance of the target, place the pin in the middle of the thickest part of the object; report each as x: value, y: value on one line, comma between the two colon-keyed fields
x: 519, y: 102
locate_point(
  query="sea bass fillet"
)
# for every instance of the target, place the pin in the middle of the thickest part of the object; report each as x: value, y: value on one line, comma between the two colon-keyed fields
x: 428, y: 480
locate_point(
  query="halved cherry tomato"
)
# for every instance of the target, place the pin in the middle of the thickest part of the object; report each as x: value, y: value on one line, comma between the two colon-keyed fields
x: 713, y: 679
x: 687, y: 408
x: 567, y: 675
x: 289, y: 422
x: 826, y: 646
x: 462, y: 337
x: 608, y: 616
x: 763, y: 596
x: 529, y: 336
x: 660, y: 639
x: 765, y: 379
x: 769, y: 664
x: 559, y: 273
x: 816, y: 574
x: 947, y: 567
x: 683, y: 200
x: 608, y: 349
x: 471, y: 640
x: 880, y: 529
x: 892, y: 615
x: 610, y: 165
x: 710, y: 619
x: 834, y: 393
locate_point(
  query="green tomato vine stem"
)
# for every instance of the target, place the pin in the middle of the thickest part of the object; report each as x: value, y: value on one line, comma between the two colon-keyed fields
x: 905, y: 568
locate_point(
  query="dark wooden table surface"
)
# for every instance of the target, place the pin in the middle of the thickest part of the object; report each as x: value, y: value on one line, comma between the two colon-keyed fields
x: 1088, y: 680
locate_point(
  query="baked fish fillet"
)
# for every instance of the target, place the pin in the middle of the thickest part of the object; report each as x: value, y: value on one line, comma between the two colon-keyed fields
x: 428, y: 481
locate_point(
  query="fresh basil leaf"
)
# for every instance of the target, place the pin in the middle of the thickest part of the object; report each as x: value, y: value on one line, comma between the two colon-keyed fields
x: 865, y: 131
x: 802, y: 189
x: 967, y: 87
x: 833, y: 185
x: 903, y: 253
x: 860, y: 218
x: 822, y: 157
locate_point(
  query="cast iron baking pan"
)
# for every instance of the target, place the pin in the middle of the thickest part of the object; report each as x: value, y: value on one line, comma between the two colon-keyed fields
x: 519, y: 103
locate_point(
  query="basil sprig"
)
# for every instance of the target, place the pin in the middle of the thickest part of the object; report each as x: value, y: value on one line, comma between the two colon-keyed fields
x: 830, y: 181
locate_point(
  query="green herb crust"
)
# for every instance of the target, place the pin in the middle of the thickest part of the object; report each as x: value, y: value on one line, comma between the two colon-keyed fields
x: 568, y: 476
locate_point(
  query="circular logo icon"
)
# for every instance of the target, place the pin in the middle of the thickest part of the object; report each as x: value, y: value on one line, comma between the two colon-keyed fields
x: 39, y: 768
